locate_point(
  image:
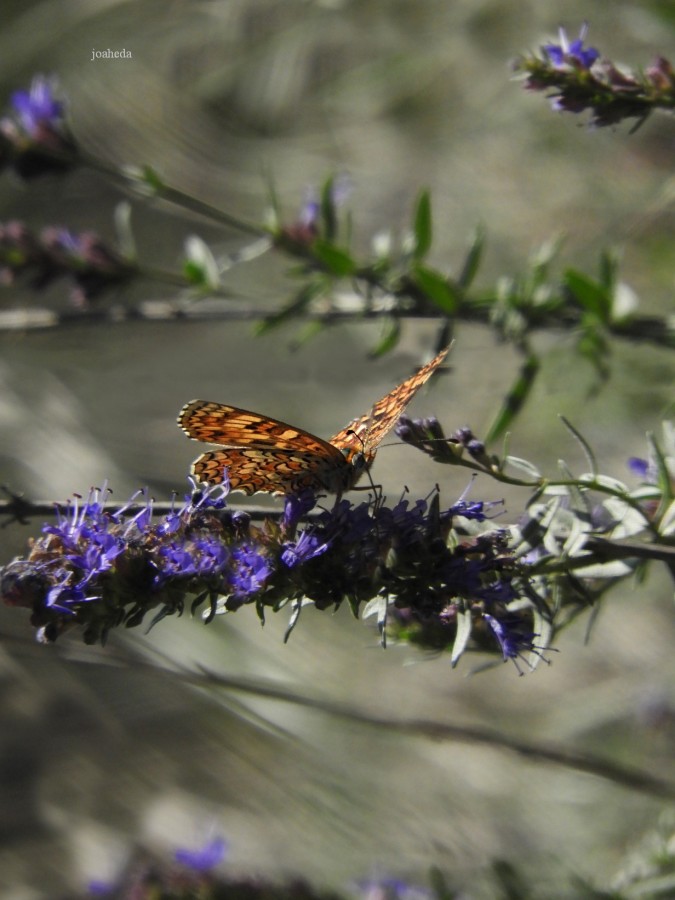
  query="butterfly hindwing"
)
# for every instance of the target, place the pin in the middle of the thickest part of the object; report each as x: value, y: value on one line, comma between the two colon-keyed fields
x: 254, y: 470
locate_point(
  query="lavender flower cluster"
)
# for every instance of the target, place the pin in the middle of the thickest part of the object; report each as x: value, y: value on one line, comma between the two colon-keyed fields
x: 97, y: 569
x: 34, y: 135
x: 35, y: 140
x: 58, y: 252
x: 579, y: 78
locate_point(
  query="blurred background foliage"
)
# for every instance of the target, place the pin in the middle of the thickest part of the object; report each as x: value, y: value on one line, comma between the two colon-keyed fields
x: 98, y: 750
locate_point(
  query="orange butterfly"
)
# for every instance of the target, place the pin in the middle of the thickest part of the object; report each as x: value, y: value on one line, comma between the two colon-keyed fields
x: 264, y: 454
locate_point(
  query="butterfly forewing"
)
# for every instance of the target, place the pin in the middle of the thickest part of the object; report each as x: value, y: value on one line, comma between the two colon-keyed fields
x: 264, y: 454
x: 229, y: 426
x: 371, y: 428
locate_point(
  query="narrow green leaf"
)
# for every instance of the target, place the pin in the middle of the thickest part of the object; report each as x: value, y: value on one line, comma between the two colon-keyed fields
x: 125, y: 235
x: 194, y: 273
x: 462, y: 635
x: 472, y: 260
x: 585, y: 446
x: 201, y: 267
x: 526, y: 468
x: 543, y: 630
x: 667, y: 524
x: 437, y: 288
x: 378, y: 606
x: 603, y: 481
x: 515, y: 399
x: 422, y: 226
x: 328, y: 211
x: 591, y: 296
x: 307, y: 333
x: 664, y: 479
x: 593, y: 346
x: 274, y: 216
x: 296, y: 609
x: 391, y: 332
x: 152, y: 178
x: 293, y: 309
x: 338, y: 261
x: 609, y: 270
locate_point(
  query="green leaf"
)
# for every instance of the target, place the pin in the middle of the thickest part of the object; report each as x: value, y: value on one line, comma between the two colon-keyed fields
x: 293, y: 309
x: 200, y: 265
x: 543, y: 629
x: 585, y: 446
x: 667, y: 524
x: 462, y: 635
x: 515, y: 399
x: 592, y: 297
x: 523, y: 466
x: 378, y: 606
x: 664, y: 479
x: 472, y: 260
x: 603, y: 481
x: 337, y: 261
x: 391, y: 332
x: 437, y: 288
x: 125, y: 235
x: 152, y: 179
x: 144, y: 180
x: 609, y: 270
x: 274, y: 216
x: 593, y: 346
x: 194, y: 273
x: 328, y: 211
x: 296, y: 609
x: 422, y: 226
x: 307, y: 333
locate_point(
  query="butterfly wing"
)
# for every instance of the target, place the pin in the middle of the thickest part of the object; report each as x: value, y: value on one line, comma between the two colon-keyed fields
x: 365, y: 433
x: 229, y: 426
x: 259, y: 453
x: 257, y: 470
x: 265, y: 454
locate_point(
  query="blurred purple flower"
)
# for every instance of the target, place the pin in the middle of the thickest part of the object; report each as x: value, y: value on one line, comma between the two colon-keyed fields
x: 205, y: 858
x: 640, y: 467
x: 38, y: 107
x: 565, y: 53
x: 35, y: 133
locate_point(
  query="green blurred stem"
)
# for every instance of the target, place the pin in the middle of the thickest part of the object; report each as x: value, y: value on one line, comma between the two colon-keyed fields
x: 172, y: 195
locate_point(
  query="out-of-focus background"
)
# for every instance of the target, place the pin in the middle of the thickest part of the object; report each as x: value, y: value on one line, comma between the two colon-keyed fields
x: 98, y: 749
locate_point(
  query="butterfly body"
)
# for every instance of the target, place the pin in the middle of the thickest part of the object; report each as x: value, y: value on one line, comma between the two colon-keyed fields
x: 261, y: 454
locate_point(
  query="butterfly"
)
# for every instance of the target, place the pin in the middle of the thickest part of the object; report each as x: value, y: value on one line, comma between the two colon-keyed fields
x: 259, y: 454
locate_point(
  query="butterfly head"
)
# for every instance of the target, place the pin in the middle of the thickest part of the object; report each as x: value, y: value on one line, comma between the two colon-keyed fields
x: 355, y: 452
